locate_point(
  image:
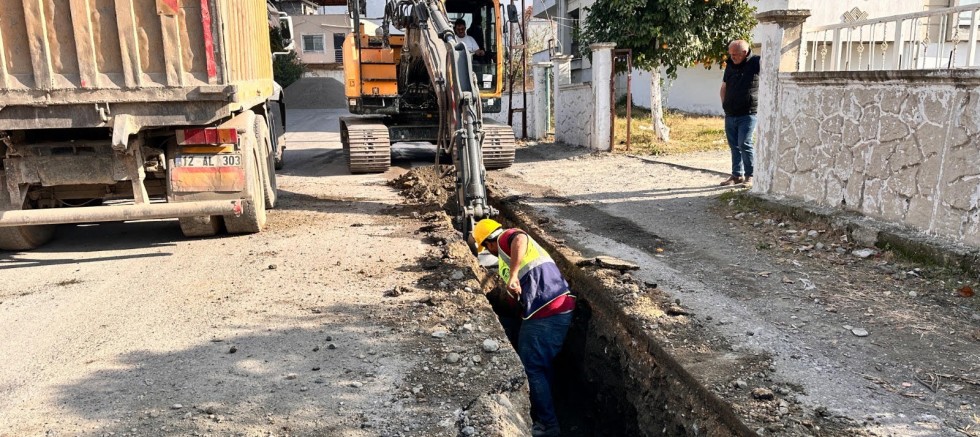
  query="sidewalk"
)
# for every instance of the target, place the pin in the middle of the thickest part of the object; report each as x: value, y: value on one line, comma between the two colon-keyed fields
x: 836, y: 330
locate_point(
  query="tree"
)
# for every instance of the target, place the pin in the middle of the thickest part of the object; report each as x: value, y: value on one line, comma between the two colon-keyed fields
x: 537, y: 40
x: 669, y: 34
x: 286, y: 68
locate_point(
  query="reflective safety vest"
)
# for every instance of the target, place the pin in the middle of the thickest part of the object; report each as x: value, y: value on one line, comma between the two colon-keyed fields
x: 541, y: 281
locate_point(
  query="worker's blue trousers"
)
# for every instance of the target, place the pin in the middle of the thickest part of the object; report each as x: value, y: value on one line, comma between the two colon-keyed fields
x: 538, y: 342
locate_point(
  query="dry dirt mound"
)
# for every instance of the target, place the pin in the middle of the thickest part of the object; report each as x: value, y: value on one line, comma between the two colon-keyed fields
x: 315, y: 93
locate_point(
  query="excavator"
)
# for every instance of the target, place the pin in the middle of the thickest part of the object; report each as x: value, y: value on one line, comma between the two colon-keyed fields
x: 425, y: 85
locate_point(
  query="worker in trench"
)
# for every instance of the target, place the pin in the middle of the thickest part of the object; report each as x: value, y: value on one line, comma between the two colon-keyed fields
x: 535, y: 313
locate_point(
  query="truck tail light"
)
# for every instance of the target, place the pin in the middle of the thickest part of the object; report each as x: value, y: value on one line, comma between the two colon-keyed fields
x: 206, y: 136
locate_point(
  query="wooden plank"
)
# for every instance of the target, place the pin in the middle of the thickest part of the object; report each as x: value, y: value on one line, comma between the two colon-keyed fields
x: 129, y: 43
x: 37, y: 35
x: 81, y: 20
x: 172, y: 50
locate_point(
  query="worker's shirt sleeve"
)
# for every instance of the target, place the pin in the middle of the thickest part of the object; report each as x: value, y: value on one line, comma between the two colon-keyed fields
x: 470, y: 43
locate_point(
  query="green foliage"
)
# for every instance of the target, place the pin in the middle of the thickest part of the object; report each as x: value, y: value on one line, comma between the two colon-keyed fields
x: 670, y: 33
x: 287, y: 69
x: 275, y: 39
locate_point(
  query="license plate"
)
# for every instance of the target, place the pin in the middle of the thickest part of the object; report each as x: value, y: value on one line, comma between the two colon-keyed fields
x: 222, y: 160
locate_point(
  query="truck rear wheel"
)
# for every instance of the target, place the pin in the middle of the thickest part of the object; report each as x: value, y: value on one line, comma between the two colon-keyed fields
x: 268, y: 162
x: 25, y: 237
x: 253, y: 217
x: 279, y: 159
x: 20, y: 237
x: 203, y: 226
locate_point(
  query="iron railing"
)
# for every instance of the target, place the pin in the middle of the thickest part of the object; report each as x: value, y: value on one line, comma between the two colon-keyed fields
x: 938, y: 39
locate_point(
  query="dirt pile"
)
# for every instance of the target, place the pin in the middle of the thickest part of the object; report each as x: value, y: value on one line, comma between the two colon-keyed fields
x: 315, y: 93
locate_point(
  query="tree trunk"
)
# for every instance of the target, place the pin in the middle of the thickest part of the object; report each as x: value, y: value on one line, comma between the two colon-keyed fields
x: 656, y: 105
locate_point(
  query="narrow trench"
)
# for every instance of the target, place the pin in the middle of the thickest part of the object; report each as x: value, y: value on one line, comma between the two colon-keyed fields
x: 590, y: 390
x: 589, y: 387
x: 609, y: 381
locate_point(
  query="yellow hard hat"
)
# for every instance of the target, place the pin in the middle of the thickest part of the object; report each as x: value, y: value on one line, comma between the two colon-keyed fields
x: 483, y: 229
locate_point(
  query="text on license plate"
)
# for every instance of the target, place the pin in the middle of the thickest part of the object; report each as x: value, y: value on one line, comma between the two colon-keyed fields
x: 223, y: 160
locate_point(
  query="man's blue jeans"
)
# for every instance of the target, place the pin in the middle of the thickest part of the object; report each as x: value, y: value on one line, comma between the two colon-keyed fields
x: 538, y: 342
x: 739, y: 131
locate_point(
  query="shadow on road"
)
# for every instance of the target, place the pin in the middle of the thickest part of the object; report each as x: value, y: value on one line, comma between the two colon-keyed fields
x: 533, y: 153
x: 314, y: 162
x: 20, y: 261
x: 290, y: 201
x: 283, y: 380
x: 99, y: 237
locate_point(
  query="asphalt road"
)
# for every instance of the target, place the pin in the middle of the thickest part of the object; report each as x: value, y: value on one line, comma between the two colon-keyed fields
x: 132, y: 329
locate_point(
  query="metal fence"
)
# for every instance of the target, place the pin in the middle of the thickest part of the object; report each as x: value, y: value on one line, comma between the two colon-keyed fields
x: 939, y: 39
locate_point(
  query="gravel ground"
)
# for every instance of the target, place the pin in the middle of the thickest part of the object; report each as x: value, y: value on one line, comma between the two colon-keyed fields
x: 355, y: 314
x: 348, y: 316
x: 886, y: 346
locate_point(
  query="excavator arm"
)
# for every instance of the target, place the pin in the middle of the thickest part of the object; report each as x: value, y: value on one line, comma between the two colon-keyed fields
x: 429, y: 35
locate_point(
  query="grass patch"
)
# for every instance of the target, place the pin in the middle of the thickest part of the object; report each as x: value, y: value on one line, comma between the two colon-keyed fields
x: 740, y: 200
x: 688, y: 132
x: 68, y: 282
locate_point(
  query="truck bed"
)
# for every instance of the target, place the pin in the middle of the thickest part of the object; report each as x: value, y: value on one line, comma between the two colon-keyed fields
x: 164, y: 62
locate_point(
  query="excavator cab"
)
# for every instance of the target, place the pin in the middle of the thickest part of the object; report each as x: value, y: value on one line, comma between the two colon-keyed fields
x: 408, y: 80
x: 483, y: 24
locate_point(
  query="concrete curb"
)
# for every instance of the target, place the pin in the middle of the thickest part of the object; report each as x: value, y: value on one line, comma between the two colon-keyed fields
x: 909, y: 243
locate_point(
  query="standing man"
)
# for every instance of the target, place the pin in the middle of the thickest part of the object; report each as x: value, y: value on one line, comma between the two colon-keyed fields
x: 459, y: 28
x: 542, y: 298
x: 740, y: 99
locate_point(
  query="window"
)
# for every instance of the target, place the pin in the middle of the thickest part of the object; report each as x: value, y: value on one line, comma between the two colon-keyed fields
x: 338, y: 47
x: 481, y: 21
x: 574, y: 22
x: 313, y: 43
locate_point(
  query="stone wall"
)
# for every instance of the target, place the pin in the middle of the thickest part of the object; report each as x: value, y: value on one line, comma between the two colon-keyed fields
x: 899, y: 146
x: 574, y: 114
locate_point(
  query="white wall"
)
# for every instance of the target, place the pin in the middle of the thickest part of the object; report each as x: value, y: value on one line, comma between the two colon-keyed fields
x: 325, y: 26
x: 502, y: 116
x: 574, y: 112
x: 337, y: 75
x: 695, y: 90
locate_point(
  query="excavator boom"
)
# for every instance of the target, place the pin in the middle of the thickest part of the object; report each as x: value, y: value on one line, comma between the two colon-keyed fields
x: 429, y: 42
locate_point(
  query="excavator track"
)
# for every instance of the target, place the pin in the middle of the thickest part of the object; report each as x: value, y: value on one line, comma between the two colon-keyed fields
x: 366, y: 144
x: 498, y: 146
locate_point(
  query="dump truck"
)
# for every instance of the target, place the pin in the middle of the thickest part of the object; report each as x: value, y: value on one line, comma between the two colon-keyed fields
x: 136, y: 109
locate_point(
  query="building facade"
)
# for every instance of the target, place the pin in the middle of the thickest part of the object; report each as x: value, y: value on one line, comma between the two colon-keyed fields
x: 320, y: 41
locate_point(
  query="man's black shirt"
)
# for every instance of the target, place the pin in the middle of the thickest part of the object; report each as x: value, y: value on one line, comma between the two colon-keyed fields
x: 742, y: 87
